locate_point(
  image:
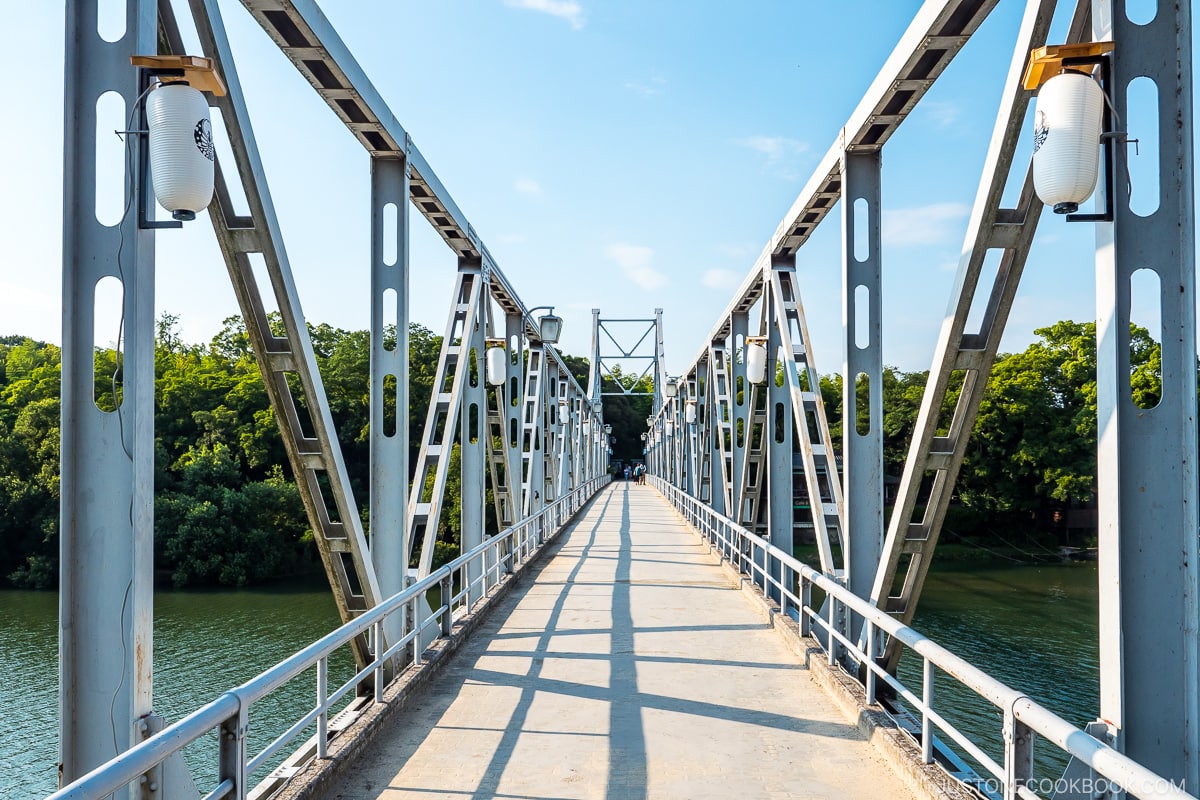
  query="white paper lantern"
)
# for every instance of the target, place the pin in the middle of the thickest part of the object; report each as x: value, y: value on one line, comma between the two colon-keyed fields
x: 668, y: 427
x: 756, y: 362
x: 1066, y: 144
x: 689, y: 413
x: 182, y: 155
x: 496, y: 366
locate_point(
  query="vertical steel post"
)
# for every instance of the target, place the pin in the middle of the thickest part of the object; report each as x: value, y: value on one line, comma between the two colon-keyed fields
x: 778, y: 430
x: 660, y: 363
x: 862, y: 305
x: 472, y: 437
x: 1147, y: 485
x: 389, y: 449
x: 107, y: 457
x: 511, y: 407
x: 740, y: 395
x: 1018, y: 755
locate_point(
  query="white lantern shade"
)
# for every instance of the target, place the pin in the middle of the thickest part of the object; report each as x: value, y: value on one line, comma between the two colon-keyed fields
x: 182, y: 155
x: 496, y: 359
x: 671, y: 388
x: 689, y: 413
x: 668, y: 427
x: 1066, y: 144
x: 756, y: 362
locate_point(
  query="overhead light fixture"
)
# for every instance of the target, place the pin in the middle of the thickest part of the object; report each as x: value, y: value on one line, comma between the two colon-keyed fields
x: 1068, y: 126
x: 496, y: 359
x: 756, y: 359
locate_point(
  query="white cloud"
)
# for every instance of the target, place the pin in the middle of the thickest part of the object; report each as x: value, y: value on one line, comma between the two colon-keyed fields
x: 941, y: 113
x: 925, y: 225
x: 511, y: 238
x: 775, y: 148
x: 720, y: 278
x: 743, y: 250
x: 634, y: 260
x: 527, y: 186
x: 647, y: 88
x: 569, y: 10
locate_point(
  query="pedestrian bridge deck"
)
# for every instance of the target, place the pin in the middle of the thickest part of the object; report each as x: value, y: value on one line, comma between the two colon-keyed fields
x: 631, y: 666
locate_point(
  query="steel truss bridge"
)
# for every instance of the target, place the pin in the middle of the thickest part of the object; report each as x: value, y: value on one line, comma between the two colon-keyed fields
x: 720, y: 447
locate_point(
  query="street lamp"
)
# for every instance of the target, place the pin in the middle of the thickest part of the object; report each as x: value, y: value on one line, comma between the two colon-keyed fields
x: 549, y: 325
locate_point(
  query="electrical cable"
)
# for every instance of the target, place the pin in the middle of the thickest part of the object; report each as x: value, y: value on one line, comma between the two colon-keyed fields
x: 118, y: 362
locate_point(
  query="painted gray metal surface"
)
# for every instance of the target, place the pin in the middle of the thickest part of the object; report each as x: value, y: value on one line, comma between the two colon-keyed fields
x: 802, y: 380
x: 532, y: 432
x: 932, y: 448
x: 389, y: 453
x: 778, y: 432
x: 305, y: 423
x: 862, y: 453
x: 427, y: 498
x: 472, y: 436
x: 107, y: 457
x: 934, y: 37
x: 1147, y: 483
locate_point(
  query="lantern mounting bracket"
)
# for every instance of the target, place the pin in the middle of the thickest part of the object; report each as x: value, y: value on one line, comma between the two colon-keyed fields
x: 1107, y: 134
x: 198, y: 72
x: 146, y: 79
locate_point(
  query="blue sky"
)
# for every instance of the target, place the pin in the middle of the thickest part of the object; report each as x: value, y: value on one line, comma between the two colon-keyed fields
x: 619, y: 154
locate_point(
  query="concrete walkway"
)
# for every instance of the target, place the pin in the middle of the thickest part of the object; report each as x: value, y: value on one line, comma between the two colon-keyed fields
x: 631, y: 668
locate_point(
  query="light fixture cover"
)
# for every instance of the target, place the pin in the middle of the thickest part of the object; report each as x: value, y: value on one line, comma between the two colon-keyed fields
x: 756, y: 362
x: 1066, y: 140
x: 550, y: 326
x: 496, y: 358
x: 182, y: 156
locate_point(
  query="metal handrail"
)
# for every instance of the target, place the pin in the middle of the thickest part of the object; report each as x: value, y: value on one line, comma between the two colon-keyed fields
x: 1022, y: 716
x: 228, y: 713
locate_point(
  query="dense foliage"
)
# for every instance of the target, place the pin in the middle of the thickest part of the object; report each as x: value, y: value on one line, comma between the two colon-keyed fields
x: 227, y: 511
x: 226, y: 508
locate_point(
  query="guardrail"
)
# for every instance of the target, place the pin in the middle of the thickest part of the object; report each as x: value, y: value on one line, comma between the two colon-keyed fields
x: 1023, y: 717
x: 229, y: 714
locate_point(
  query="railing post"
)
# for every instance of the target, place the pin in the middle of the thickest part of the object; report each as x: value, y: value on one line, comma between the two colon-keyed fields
x: 831, y: 640
x: 805, y: 605
x: 926, y: 722
x: 415, y: 610
x: 784, y: 587
x: 323, y: 717
x: 1018, y: 755
x: 231, y: 752
x: 448, y: 602
x: 380, y: 644
x: 870, y: 665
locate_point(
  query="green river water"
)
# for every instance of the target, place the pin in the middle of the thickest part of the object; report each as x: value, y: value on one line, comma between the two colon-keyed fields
x: 1033, y: 627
